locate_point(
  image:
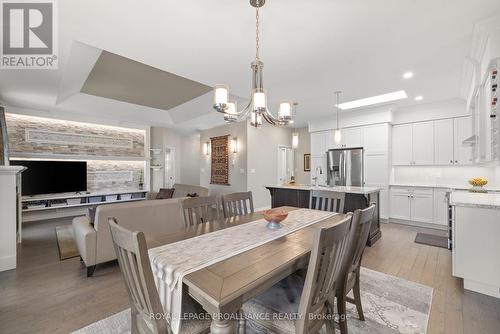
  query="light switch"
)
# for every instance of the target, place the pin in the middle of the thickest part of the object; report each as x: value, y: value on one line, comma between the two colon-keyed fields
x: 252, y: 171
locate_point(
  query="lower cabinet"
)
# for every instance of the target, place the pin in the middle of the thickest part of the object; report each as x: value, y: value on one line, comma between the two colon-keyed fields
x: 441, y: 206
x: 415, y: 204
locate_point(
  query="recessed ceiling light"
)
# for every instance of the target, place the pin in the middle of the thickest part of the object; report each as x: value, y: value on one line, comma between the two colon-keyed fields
x: 408, y: 75
x: 419, y: 98
x: 399, y: 95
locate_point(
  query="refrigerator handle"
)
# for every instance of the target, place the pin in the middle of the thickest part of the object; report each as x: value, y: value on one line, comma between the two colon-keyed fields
x: 342, y: 168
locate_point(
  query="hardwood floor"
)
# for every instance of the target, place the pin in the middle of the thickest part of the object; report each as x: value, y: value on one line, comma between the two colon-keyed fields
x: 45, y: 295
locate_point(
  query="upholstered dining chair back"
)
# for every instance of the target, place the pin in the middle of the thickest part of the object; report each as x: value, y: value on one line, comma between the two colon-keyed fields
x: 132, y: 254
x: 361, y: 223
x: 237, y: 204
x: 197, y: 210
x: 328, y: 251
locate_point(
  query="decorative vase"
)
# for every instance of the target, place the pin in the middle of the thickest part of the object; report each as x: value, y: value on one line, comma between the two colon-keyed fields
x: 274, y: 217
x: 478, y: 189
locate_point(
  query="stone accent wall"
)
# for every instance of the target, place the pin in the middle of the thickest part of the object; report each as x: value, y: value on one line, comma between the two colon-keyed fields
x: 18, y: 127
x: 108, y: 175
x: 47, y: 136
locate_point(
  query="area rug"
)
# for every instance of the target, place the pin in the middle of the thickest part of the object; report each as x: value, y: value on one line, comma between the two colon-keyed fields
x: 391, y: 305
x: 432, y: 240
x: 66, y: 242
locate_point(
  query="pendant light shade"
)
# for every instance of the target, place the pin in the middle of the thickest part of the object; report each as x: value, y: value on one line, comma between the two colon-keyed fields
x: 337, y: 136
x: 295, y: 140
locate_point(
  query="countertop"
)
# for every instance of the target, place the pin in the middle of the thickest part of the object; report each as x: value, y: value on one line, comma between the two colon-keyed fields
x: 347, y: 189
x: 476, y: 200
x: 443, y: 186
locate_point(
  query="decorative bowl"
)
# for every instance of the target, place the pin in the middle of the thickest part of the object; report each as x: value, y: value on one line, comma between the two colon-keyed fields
x: 477, y: 184
x: 274, y: 217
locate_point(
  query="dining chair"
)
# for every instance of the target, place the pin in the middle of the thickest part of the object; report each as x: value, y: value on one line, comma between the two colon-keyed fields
x: 197, y: 210
x: 132, y: 254
x: 327, y: 201
x: 235, y: 204
x: 298, y: 305
x: 360, y: 229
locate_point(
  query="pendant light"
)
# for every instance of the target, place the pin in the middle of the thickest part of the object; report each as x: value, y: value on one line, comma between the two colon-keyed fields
x: 295, y: 134
x: 337, y: 137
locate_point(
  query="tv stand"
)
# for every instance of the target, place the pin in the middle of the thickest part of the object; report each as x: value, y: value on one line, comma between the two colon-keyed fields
x: 40, y: 207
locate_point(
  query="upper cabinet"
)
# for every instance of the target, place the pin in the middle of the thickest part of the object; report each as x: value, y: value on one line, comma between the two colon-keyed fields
x: 319, y: 143
x: 402, y: 144
x: 351, y: 137
x: 376, y: 138
x: 423, y: 143
x: 432, y: 143
x: 449, y: 136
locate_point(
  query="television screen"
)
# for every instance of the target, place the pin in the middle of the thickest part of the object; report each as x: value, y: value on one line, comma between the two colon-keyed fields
x: 48, y: 177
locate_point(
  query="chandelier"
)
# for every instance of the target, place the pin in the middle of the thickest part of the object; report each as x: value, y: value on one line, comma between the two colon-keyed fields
x: 257, y: 107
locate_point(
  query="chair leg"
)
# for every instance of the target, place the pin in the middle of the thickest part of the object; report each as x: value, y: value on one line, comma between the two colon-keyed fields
x: 134, y: 329
x: 357, y: 297
x: 342, y: 312
x: 90, y: 271
x: 330, y: 323
x: 241, y: 322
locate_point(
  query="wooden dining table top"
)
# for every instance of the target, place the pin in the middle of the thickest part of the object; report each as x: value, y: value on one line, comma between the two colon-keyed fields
x: 224, y: 286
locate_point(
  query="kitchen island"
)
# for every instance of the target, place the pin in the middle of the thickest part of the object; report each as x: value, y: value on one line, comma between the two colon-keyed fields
x: 355, y: 198
x: 475, y: 220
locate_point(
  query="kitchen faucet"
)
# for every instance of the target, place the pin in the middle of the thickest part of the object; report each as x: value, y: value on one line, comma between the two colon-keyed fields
x: 316, y: 177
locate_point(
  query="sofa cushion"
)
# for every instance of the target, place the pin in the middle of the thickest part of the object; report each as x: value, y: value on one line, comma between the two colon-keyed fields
x: 182, y: 190
x: 91, y: 211
x: 165, y: 193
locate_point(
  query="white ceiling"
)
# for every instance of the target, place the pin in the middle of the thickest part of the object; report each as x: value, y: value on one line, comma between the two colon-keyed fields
x: 310, y: 49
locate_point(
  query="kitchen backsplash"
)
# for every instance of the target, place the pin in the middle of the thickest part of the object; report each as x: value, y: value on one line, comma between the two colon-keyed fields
x: 446, y: 176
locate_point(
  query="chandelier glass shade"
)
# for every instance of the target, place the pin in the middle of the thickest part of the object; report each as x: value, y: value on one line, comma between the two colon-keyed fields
x: 257, y: 109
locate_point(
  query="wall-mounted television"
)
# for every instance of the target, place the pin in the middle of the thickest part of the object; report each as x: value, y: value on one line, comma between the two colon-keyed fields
x: 49, y: 177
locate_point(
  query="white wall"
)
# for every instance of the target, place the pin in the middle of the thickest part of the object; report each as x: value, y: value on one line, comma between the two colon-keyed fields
x: 263, y: 145
x: 237, y: 171
x: 162, y: 138
x: 190, y: 159
x: 430, y: 111
x: 303, y: 148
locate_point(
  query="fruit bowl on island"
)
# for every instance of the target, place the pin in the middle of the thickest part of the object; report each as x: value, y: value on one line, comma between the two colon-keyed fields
x: 274, y: 217
x: 477, y: 184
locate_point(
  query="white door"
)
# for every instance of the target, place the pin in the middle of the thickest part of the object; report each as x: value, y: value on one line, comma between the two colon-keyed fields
x: 400, y: 204
x: 352, y: 137
x: 443, y: 142
x: 402, y: 150
x: 169, y: 179
x: 422, y: 205
x: 423, y: 143
x: 463, y: 130
x: 440, y: 207
x: 318, y: 143
x: 285, y: 164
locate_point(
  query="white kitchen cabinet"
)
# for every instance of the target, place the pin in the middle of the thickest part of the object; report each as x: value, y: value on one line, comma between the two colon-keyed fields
x: 402, y: 146
x: 444, y: 142
x: 415, y: 204
x: 423, y: 143
x: 318, y: 169
x: 318, y: 143
x: 352, y: 137
x: 421, y: 205
x: 462, y: 131
x: 376, y: 138
x: 400, y: 203
x: 376, y: 168
x: 440, y: 206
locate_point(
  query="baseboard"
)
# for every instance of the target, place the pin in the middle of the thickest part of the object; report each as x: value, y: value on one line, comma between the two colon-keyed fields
x: 417, y: 224
x: 8, y: 262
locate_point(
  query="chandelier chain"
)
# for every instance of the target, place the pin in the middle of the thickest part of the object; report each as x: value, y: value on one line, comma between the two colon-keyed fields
x: 257, y: 33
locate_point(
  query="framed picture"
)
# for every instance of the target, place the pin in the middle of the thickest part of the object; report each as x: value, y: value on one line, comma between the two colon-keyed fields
x: 307, y: 162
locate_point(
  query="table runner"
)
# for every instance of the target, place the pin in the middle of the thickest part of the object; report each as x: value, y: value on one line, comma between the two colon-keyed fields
x: 171, y: 262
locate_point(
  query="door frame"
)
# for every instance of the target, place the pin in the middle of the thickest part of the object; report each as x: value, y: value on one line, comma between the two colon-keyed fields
x: 280, y: 147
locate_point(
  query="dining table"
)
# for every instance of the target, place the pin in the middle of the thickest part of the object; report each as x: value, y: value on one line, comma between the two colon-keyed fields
x: 221, y: 288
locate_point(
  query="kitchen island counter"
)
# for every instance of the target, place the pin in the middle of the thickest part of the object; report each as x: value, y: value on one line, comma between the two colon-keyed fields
x: 298, y: 195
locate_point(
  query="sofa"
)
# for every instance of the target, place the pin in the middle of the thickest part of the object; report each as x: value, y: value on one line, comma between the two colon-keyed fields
x: 182, y: 190
x: 151, y: 217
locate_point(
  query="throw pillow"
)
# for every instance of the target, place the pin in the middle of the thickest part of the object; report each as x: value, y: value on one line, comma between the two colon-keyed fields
x: 165, y: 193
x: 192, y: 195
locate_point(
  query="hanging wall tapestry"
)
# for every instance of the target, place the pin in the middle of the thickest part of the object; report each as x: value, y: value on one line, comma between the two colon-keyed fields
x: 220, y: 160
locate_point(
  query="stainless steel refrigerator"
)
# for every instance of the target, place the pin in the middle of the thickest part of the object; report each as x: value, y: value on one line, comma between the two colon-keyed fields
x: 345, y: 167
